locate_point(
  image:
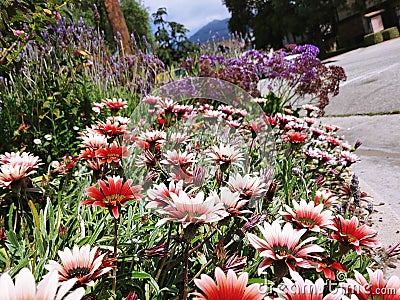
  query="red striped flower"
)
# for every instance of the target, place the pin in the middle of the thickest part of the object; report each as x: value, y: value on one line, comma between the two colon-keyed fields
x: 112, y: 194
x: 283, y: 245
x: 350, y: 234
x: 115, y: 104
x: 112, y: 153
x: 309, y: 216
x: 228, y: 287
x: 295, y: 137
x: 83, y: 264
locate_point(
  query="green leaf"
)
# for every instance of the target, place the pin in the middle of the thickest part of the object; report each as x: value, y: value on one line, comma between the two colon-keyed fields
x: 144, y: 275
x: 140, y: 275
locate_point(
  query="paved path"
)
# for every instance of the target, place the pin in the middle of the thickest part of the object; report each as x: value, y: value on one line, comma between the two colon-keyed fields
x: 373, y: 80
x: 362, y: 109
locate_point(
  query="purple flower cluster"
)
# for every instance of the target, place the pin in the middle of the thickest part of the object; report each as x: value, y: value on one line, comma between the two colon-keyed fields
x: 239, y: 71
x: 303, y: 72
x: 295, y: 67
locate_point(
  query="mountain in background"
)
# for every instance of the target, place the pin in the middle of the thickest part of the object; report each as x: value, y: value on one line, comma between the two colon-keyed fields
x: 217, y: 29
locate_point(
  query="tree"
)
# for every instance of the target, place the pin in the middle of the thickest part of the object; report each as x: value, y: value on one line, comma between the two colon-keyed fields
x: 273, y: 21
x: 137, y: 19
x: 241, y: 12
x: 173, y: 45
x: 118, y: 24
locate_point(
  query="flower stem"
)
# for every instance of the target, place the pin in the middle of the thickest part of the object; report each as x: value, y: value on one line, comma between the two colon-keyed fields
x: 114, y: 282
x: 186, y: 273
x: 165, y: 257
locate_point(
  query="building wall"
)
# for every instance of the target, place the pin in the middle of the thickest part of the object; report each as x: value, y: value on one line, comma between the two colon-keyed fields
x: 353, y: 24
x: 351, y: 31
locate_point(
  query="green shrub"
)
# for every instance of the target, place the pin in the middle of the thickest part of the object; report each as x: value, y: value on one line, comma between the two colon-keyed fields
x: 390, y: 33
x: 373, y: 38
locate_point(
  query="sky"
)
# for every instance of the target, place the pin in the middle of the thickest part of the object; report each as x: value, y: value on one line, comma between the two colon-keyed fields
x: 193, y: 14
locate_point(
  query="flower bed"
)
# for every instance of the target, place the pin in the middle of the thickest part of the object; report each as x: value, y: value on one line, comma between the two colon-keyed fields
x: 202, y: 189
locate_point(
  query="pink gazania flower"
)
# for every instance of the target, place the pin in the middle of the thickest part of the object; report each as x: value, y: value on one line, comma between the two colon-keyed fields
x: 322, y: 156
x: 333, y: 141
x: 188, y: 209
x: 112, y: 153
x: 160, y: 194
x: 166, y: 104
x: 317, y: 131
x: 348, y: 158
x: 325, y: 197
x: 295, y: 137
x: 235, y: 263
x: 213, y: 114
x: 120, y: 120
x: 376, y: 288
x: 227, y: 109
x: 151, y: 139
x: 234, y: 123
x: 10, y: 174
x: 228, y: 286
x: 351, y: 235
x: 18, y: 158
x: 253, y: 127
x: 246, y: 186
x: 309, y: 107
x: 309, y: 121
x: 301, y: 289
x: 241, y: 113
x: 178, y: 138
x: 284, y: 119
x: 115, y: 104
x: 183, y: 110
x: 230, y: 200
x: 225, y: 155
x: 93, y: 140
x: 332, y: 128
x: 345, y: 146
x: 16, y: 166
x: 308, y: 216
x: 96, y: 107
x: 283, y: 245
x: 151, y: 99
x: 177, y: 158
x: 47, y: 289
x: 112, y: 194
x: 132, y: 296
x: 84, y: 265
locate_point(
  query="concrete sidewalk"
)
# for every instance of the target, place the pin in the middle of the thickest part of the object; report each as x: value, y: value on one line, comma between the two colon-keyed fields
x: 364, y: 109
x: 379, y: 171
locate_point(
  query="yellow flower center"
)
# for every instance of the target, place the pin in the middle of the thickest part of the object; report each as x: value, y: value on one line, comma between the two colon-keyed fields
x: 307, y: 222
x: 113, y: 200
x: 351, y: 238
